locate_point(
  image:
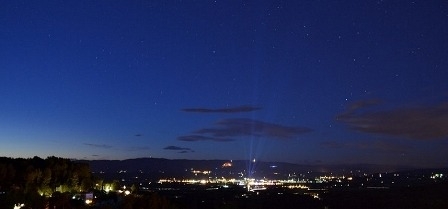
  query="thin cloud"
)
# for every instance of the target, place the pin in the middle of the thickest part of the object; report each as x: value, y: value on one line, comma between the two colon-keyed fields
x: 379, y: 146
x: 135, y: 149
x: 362, y: 104
x: 226, y: 130
x: 249, y: 127
x: 333, y: 144
x: 178, y: 148
x: 194, y: 138
x: 244, y: 108
x: 423, y: 123
x: 104, y: 146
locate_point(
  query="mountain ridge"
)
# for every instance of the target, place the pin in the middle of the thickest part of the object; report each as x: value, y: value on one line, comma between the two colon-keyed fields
x: 178, y: 168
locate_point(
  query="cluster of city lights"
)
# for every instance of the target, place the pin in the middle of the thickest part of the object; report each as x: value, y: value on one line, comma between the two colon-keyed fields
x: 19, y: 205
x: 437, y: 176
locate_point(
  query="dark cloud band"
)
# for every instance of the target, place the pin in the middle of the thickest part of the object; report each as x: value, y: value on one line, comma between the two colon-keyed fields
x: 193, y: 138
x: 176, y: 148
x: 378, y: 146
x: 246, y: 108
x: 424, y: 123
x: 226, y: 130
x: 105, y: 146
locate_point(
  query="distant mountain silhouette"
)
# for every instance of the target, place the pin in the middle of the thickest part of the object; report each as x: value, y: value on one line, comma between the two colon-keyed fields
x: 155, y: 168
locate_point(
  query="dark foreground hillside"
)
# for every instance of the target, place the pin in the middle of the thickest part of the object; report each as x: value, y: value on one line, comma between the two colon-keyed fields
x: 59, y: 183
x: 432, y: 196
x: 422, y: 197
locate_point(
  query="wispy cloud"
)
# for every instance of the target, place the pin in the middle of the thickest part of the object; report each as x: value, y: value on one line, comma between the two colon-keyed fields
x: 244, y: 108
x: 423, y: 122
x: 193, y: 138
x: 333, y: 144
x: 104, y: 146
x: 247, y: 127
x: 136, y: 149
x: 379, y: 146
x: 180, y: 149
x: 226, y: 130
x: 185, y: 151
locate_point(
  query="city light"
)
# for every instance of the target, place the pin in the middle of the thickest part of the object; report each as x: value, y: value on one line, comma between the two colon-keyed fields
x: 19, y: 205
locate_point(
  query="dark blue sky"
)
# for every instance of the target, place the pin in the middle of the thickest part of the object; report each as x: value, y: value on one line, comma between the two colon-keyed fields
x: 294, y: 81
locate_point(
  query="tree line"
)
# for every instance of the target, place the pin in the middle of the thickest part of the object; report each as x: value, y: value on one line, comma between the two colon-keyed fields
x: 44, y: 176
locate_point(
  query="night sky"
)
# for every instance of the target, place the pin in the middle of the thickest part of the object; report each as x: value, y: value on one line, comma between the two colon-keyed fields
x: 309, y: 82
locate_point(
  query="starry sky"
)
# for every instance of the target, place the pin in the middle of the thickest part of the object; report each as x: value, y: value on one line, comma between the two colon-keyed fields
x: 308, y: 82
